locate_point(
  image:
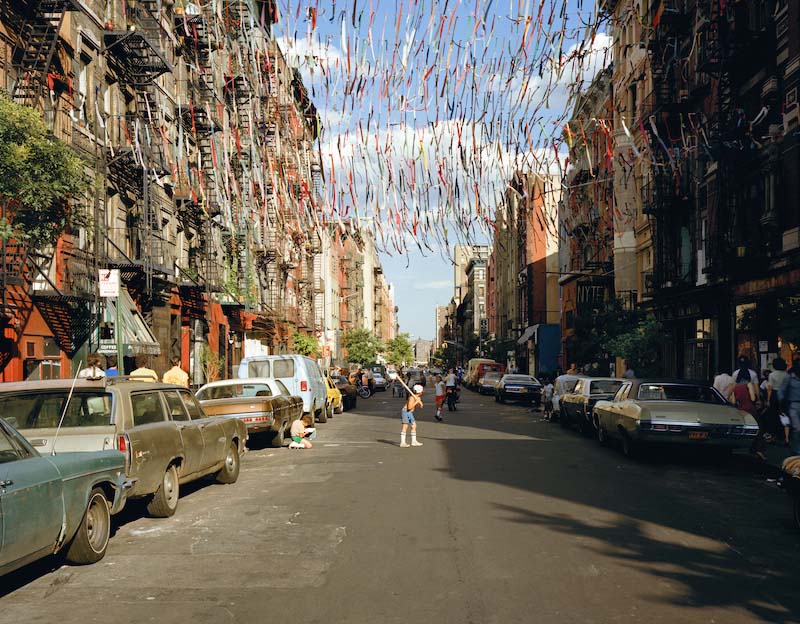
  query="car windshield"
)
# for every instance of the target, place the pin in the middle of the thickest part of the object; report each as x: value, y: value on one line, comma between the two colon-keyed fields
x: 520, y: 379
x: 234, y: 391
x: 678, y: 392
x: 566, y: 386
x: 604, y: 386
x: 42, y: 411
x: 492, y: 376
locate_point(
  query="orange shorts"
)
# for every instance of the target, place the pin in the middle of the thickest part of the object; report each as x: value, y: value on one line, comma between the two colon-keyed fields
x: 439, y: 400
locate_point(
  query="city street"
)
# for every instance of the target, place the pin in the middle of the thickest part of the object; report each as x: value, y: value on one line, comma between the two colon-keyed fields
x: 500, y: 517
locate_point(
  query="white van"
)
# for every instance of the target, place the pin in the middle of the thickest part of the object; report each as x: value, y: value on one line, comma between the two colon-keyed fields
x: 300, y: 374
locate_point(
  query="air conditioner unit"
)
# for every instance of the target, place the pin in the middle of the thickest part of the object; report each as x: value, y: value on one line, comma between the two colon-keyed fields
x: 791, y: 239
x: 770, y: 86
x: 791, y: 119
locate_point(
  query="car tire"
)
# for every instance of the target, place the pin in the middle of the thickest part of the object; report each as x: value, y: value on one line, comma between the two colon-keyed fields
x: 340, y: 408
x: 91, y: 539
x: 329, y: 411
x: 165, y: 501
x: 321, y: 416
x: 279, y: 438
x: 602, y: 436
x: 629, y: 447
x: 229, y: 473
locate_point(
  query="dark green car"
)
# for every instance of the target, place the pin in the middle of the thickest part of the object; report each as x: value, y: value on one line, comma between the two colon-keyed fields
x: 56, y: 503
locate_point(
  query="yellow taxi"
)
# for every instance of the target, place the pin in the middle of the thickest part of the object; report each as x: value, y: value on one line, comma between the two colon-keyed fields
x: 335, y: 404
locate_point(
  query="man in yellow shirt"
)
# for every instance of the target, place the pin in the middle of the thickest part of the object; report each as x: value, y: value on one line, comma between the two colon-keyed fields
x: 176, y: 375
x: 142, y: 373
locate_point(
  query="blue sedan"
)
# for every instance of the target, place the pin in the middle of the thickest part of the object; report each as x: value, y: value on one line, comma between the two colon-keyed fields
x: 56, y: 504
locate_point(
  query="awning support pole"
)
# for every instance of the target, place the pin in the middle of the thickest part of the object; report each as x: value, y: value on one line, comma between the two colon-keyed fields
x: 118, y: 335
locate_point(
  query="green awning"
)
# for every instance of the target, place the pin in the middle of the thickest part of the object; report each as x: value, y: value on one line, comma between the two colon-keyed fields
x: 137, y: 338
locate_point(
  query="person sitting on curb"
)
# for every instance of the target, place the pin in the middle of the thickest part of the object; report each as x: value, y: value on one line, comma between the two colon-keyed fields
x: 302, y: 434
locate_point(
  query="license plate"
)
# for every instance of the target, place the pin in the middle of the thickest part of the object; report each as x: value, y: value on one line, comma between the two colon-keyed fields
x: 698, y: 435
x: 523, y: 389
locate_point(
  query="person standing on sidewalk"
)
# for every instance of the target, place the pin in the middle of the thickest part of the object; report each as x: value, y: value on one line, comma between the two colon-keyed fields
x: 774, y: 382
x: 746, y: 392
x: 407, y: 416
x: 789, y: 395
x: 440, y: 394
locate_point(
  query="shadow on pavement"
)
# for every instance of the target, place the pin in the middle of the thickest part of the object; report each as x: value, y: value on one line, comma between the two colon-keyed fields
x: 704, y: 577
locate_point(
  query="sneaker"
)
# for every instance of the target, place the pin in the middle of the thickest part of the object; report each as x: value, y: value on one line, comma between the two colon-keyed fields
x: 404, y: 445
x: 415, y: 443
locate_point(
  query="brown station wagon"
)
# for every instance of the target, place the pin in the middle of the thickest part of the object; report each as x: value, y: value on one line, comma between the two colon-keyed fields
x: 162, y: 430
x: 264, y: 404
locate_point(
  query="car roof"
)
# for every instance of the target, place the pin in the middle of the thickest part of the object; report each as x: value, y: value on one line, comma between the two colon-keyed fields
x: 603, y: 378
x: 672, y: 380
x: 237, y: 382
x: 105, y: 383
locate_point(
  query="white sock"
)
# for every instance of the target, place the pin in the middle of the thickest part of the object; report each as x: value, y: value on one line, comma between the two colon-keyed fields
x: 413, y: 437
x: 403, y: 437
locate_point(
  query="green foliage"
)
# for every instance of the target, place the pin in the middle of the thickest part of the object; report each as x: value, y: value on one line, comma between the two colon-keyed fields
x: 210, y: 363
x: 362, y: 346
x: 640, y: 347
x: 38, y: 177
x: 305, y: 344
x: 399, y: 351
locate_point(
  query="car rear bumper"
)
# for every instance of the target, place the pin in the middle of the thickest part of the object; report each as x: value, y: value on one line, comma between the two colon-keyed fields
x: 700, y: 434
x: 121, y: 495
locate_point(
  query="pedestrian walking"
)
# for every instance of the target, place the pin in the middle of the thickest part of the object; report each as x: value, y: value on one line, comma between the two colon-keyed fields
x: 407, y: 417
x: 746, y: 394
x: 547, y: 398
x: 779, y: 419
x: 629, y: 372
x: 441, y: 391
x: 93, y: 368
x: 744, y: 365
x: 111, y: 366
x: 724, y: 383
x: 789, y: 395
x: 176, y: 375
x: 142, y: 372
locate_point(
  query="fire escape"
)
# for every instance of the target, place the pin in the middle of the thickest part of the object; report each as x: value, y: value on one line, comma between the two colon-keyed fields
x: 667, y: 197
x: 60, y: 281
x: 136, y: 156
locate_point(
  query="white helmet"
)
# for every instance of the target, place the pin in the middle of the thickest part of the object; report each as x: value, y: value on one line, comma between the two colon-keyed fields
x: 418, y: 389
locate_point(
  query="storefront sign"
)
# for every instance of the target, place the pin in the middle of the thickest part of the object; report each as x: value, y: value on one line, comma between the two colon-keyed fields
x: 766, y: 284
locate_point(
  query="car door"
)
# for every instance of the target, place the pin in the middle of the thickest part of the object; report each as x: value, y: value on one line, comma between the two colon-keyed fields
x: 31, y: 502
x: 215, y: 442
x: 154, y: 439
x: 617, y: 409
x: 191, y: 434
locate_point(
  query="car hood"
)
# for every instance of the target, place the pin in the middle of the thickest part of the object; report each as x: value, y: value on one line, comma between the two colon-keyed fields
x: 73, y: 464
x: 695, y: 412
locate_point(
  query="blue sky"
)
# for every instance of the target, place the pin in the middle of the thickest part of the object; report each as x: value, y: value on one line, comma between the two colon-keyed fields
x: 428, y: 107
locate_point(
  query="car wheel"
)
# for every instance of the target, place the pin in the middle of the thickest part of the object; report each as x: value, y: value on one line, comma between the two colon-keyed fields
x: 602, y: 436
x: 91, y: 540
x: 321, y: 416
x: 229, y: 472
x: 629, y: 447
x: 165, y: 500
x: 329, y: 411
x: 340, y: 408
x: 280, y: 436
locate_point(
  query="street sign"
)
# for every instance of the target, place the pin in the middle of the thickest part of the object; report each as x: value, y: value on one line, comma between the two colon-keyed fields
x: 109, y: 282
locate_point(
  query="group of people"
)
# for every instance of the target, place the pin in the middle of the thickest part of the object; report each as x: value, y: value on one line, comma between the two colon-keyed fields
x: 94, y: 370
x: 773, y: 400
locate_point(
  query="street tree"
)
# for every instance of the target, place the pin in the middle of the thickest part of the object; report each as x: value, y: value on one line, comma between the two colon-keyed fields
x: 640, y: 346
x: 362, y: 346
x: 305, y: 344
x: 398, y: 350
x: 39, y: 177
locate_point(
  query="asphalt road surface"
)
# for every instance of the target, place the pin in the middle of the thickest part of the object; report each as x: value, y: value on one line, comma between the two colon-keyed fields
x: 500, y: 517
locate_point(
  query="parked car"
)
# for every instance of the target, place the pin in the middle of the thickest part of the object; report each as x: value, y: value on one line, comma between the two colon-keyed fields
x: 335, y: 399
x: 380, y: 383
x: 672, y: 412
x: 487, y: 383
x: 300, y: 374
x: 348, y: 390
x: 564, y: 384
x: 576, y: 407
x: 477, y: 368
x: 377, y: 369
x: 391, y: 374
x: 415, y: 376
x: 790, y: 481
x: 161, y: 429
x: 523, y: 388
x: 57, y: 503
x: 263, y: 405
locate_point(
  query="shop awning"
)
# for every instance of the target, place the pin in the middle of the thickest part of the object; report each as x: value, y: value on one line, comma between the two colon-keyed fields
x: 137, y: 339
x: 526, y: 335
